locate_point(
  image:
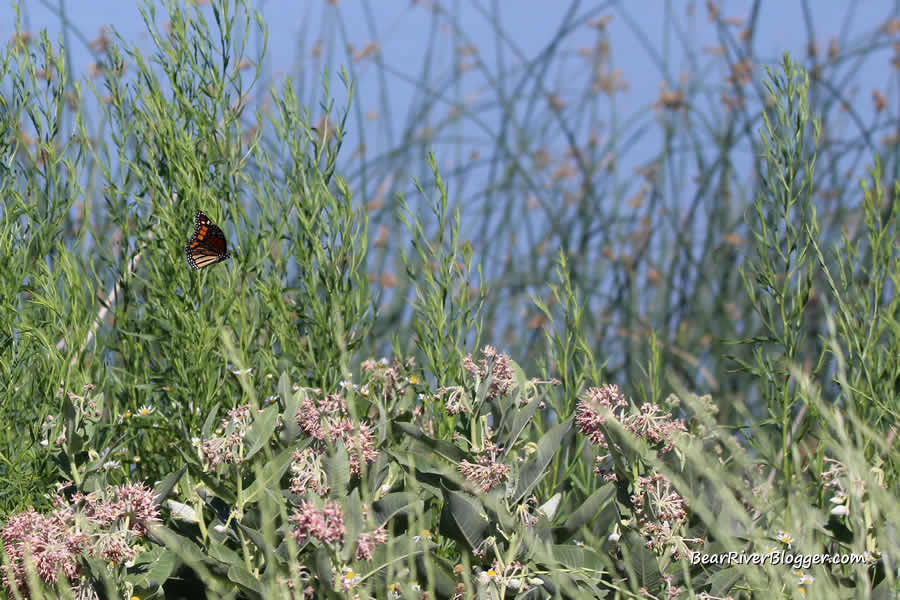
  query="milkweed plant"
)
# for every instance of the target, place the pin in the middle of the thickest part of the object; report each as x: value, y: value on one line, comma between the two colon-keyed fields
x: 227, y: 430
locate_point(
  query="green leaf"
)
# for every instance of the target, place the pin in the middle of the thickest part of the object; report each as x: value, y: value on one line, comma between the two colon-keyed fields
x: 260, y: 433
x: 464, y: 519
x: 224, y: 554
x: 723, y: 580
x: 271, y: 473
x: 575, y: 557
x: 291, y: 430
x: 520, y: 419
x: 182, y: 512
x: 642, y: 561
x: 531, y: 473
x: 391, y: 505
x: 152, y: 568
x: 210, y: 423
x: 582, y: 515
x: 337, y: 469
x: 353, y: 524
x: 441, y: 447
x: 165, y: 487
x: 241, y: 576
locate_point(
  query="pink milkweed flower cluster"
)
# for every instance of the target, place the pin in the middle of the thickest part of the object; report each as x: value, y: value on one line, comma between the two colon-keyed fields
x: 661, y: 514
x: 494, y: 364
x: 327, y: 420
x: 385, y: 379
x: 647, y: 422
x: 326, y: 524
x: 487, y: 472
x: 226, y: 448
x: 367, y: 542
x: 95, y: 525
x: 308, y: 473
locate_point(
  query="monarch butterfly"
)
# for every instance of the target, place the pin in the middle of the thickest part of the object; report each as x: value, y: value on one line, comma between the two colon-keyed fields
x: 208, y: 246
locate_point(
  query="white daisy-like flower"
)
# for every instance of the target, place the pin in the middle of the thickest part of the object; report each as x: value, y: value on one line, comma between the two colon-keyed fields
x: 146, y: 410
x: 785, y: 538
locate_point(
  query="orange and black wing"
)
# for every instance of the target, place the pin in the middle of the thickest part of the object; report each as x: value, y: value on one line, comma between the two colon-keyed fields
x: 208, y: 246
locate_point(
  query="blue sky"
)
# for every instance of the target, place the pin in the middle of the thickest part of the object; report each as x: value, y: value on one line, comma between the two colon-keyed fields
x: 643, y: 35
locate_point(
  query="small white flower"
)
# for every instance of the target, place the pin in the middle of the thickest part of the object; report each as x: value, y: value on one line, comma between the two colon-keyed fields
x: 195, y: 442
x: 806, y: 579
x: 242, y: 371
x: 45, y: 443
x: 383, y: 361
x: 785, y: 538
x: 146, y: 410
x: 110, y: 465
x: 840, y: 510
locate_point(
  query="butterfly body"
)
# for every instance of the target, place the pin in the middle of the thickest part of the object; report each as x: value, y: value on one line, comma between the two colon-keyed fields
x: 208, y: 246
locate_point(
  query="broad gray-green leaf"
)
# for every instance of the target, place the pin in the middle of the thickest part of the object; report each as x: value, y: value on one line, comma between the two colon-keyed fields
x: 182, y: 512
x: 337, y: 469
x: 291, y: 430
x: 599, y: 498
x: 533, y: 471
x: 152, y: 568
x: 463, y: 519
x: 392, y: 504
x: 353, y: 524
x: 165, y: 487
x: 241, y: 576
x: 270, y: 475
x: 441, y: 447
x: 261, y: 431
x: 642, y: 560
x: 210, y: 422
x: 520, y: 419
x: 723, y: 580
x: 574, y: 557
x: 550, y: 507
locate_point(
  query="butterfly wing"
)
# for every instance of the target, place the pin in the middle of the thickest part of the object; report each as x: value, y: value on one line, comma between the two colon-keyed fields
x: 208, y: 246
